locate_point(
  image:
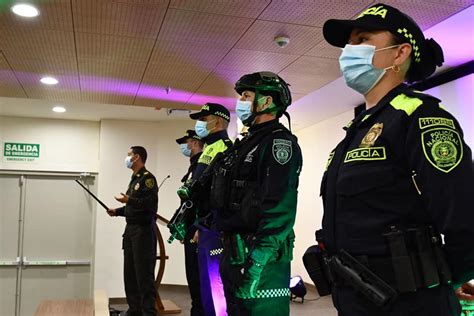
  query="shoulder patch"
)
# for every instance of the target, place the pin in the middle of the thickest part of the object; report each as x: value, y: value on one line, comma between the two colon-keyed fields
x: 406, y: 103
x: 426, y: 122
x: 282, y: 150
x: 150, y: 183
x: 442, y: 148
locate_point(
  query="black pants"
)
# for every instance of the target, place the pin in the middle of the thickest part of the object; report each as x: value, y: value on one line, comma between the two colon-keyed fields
x: 192, y: 273
x: 139, y: 251
x: 273, y: 294
x: 438, y: 301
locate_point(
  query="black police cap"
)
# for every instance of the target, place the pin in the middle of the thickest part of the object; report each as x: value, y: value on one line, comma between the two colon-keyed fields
x: 212, y: 109
x: 189, y: 134
x: 426, y: 54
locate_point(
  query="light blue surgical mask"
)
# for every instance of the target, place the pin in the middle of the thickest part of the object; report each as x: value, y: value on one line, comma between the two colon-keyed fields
x: 128, y: 162
x: 357, y: 68
x: 201, y: 129
x: 243, y: 109
x: 185, y: 150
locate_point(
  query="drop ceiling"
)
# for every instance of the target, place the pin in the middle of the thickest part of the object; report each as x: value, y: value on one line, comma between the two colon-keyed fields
x: 175, y: 54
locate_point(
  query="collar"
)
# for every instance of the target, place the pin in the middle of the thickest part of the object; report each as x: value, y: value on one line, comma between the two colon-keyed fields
x: 195, y: 158
x: 214, y: 137
x: 258, y: 127
x: 364, y: 115
x: 139, y: 173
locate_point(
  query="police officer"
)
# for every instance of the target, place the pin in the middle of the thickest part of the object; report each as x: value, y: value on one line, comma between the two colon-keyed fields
x: 211, y: 125
x: 191, y: 146
x: 403, y: 169
x: 139, y: 238
x: 254, y: 196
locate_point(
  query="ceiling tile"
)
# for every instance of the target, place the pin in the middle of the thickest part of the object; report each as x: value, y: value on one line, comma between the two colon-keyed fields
x: 54, y: 15
x: 251, y: 61
x: 261, y: 36
x: 107, y: 47
x: 124, y: 18
x: 190, y: 54
x: 150, y: 102
x: 314, y: 13
x: 32, y: 44
x: 110, y: 81
x: 323, y: 49
x: 9, y: 84
x: 242, y: 8
x: 203, y: 28
x: 426, y: 14
x: 310, y: 73
x: 176, y: 76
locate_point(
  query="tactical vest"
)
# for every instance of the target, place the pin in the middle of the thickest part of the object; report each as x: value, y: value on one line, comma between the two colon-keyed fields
x: 235, y: 194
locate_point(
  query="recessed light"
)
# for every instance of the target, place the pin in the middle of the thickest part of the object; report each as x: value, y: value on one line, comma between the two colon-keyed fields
x: 59, y: 109
x: 49, y: 80
x: 25, y: 10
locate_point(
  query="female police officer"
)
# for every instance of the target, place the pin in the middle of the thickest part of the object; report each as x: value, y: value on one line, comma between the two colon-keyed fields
x: 401, y: 174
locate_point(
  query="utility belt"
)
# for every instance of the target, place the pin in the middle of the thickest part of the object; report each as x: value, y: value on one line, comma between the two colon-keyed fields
x: 416, y: 261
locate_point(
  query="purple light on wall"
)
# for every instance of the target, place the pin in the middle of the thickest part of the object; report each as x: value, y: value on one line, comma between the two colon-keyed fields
x: 456, y: 37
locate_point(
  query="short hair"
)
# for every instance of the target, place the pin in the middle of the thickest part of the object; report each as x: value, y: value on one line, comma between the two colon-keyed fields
x: 141, y: 151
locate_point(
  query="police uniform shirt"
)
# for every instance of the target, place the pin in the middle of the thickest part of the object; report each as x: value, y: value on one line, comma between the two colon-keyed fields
x: 402, y: 163
x: 213, y: 144
x: 270, y: 167
x: 142, y: 202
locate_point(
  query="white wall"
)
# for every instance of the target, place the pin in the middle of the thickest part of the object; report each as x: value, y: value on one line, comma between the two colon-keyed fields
x: 316, y: 143
x: 164, y: 158
x: 65, y: 145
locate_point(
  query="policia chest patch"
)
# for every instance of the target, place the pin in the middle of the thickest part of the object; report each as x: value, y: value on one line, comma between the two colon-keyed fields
x: 282, y: 150
x: 442, y: 148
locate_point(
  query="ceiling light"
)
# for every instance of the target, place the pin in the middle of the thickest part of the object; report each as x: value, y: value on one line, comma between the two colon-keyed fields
x: 59, y: 109
x: 49, y: 80
x: 25, y: 10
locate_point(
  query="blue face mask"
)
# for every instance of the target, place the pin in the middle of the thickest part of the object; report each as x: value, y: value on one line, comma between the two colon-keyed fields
x: 243, y: 109
x: 357, y: 68
x: 185, y: 150
x: 201, y: 129
x: 128, y: 162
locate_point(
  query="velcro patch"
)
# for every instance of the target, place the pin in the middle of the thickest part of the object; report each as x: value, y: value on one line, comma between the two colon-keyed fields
x: 282, y: 150
x: 150, y: 183
x: 442, y: 148
x: 426, y: 122
x: 371, y: 153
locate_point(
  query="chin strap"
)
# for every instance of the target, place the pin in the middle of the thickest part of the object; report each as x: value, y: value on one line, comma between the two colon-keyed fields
x: 287, y: 115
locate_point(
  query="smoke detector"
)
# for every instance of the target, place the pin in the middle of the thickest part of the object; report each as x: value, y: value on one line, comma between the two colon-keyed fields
x: 282, y: 41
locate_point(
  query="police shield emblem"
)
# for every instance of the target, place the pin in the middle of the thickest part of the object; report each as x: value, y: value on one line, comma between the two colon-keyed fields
x: 282, y: 150
x: 442, y: 148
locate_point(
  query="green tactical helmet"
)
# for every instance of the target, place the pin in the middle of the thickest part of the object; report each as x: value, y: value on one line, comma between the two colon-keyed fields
x: 268, y: 82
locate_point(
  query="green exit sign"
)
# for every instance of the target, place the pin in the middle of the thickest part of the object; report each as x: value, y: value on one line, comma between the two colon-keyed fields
x: 21, y: 151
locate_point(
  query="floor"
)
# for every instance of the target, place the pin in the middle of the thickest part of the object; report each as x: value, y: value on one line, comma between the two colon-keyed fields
x: 313, y: 305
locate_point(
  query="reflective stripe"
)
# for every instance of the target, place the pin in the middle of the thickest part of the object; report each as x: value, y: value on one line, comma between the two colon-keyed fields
x: 405, y: 103
x: 215, y: 252
x: 272, y: 293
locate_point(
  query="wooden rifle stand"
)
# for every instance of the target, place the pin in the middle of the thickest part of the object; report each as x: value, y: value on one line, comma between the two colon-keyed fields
x: 163, y: 306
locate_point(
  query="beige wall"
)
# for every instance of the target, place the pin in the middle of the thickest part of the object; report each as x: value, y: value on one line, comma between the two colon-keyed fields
x: 316, y: 143
x: 65, y: 145
x: 164, y: 158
